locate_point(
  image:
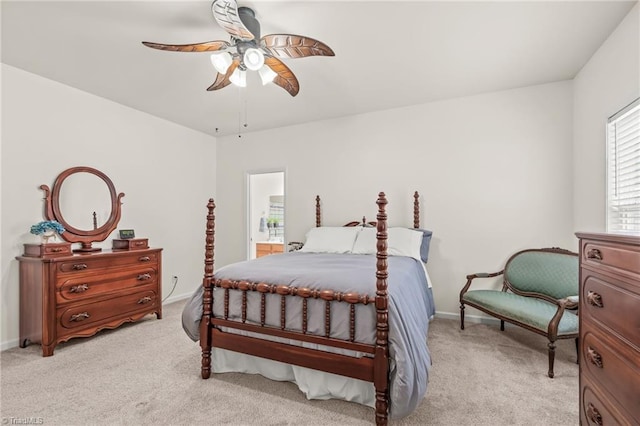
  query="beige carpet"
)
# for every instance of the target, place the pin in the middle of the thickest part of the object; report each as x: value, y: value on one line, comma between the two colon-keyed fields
x: 148, y: 374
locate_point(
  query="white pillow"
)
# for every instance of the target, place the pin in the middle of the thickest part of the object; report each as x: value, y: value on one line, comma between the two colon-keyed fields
x: 330, y: 239
x: 404, y: 242
x: 400, y: 242
x: 365, y: 241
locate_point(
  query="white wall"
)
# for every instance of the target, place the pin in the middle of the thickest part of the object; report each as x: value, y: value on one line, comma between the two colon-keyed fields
x: 607, y: 83
x: 494, y: 173
x: 166, y: 171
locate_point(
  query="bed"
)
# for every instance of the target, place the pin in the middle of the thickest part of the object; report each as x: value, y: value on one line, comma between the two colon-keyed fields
x: 344, y: 317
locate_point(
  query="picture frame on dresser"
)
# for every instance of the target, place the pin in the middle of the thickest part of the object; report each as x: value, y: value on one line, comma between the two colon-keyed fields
x: 67, y: 293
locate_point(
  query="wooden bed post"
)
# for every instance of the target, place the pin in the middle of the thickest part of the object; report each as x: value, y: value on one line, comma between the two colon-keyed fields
x: 207, y: 302
x: 416, y: 210
x: 381, y: 361
x: 317, y: 211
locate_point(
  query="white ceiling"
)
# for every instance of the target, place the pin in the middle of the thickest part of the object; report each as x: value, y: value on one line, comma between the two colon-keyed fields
x: 389, y: 54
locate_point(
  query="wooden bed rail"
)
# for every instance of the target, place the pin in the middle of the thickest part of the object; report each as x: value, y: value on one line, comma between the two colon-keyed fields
x: 293, y: 331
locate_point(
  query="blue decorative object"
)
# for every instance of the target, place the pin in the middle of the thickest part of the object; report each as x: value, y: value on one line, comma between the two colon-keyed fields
x: 47, y: 229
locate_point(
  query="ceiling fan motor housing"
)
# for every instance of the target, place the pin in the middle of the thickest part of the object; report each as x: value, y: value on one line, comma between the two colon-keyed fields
x: 248, y: 18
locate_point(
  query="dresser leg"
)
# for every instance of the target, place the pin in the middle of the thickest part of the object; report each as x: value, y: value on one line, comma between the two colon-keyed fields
x: 47, y: 350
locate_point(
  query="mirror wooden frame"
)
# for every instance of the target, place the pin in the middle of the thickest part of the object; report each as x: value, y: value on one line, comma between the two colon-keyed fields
x: 73, y: 235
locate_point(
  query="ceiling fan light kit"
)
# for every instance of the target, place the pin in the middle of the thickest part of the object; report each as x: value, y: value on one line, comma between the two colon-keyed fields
x: 248, y: 51
x: 239, y: 78
x: 221, y: 61
x: 253, y: 59
x: 266, y: 75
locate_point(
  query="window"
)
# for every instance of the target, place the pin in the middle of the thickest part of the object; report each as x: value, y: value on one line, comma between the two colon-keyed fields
x: 623, y: 170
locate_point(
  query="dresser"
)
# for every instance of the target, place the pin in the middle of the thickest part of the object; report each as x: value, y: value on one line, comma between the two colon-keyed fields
x: 264, y: 249
x: 65, y: 295
x: 609, y: 329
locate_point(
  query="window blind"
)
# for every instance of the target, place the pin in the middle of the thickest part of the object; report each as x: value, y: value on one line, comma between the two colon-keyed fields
x: 623, y: 170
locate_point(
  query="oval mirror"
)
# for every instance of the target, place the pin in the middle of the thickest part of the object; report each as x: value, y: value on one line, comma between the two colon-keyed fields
x: 84, y: 201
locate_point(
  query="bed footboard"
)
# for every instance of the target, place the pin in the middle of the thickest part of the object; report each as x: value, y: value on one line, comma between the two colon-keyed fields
x: 374, y: 367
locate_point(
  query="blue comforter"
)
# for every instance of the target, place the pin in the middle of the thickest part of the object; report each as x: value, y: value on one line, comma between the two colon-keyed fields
x: 410, y: 308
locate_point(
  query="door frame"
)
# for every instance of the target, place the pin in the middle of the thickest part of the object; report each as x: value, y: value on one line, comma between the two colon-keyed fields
x: 248, y: 206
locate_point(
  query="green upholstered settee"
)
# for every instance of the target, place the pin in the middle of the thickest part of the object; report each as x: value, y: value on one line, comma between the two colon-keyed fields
x: 539, y: 292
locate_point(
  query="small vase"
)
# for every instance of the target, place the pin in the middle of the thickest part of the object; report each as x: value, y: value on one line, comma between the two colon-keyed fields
x: 47, y: 235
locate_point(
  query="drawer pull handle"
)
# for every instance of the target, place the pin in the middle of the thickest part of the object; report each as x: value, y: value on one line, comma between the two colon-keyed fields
x: 144, y: 300
x: 80, y: 288
x: 79, y: 266
x: 144, y: 277
x: 594, y: 254
x: 144, y: 259
x: 594, y: 415
x: 79, y: 317
x: 594, y: 299
x: 594, y: 357
x: 57, y: 250
x: 138, y: 243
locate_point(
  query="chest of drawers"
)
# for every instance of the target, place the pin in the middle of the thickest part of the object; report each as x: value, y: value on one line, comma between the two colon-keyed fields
x: 609, y: 329
x: 265, y: 249
x: 77, y: 295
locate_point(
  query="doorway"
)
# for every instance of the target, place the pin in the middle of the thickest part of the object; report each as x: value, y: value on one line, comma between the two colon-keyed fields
x: 266, y: 218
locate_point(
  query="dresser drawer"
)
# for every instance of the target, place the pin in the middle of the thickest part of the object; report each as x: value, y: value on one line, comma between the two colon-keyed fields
x: 621, y: 259
x: 81, y: 316
x: 89, y: 264
x: 83, y: 287
x: 613, y: 366
x: 596, y: 409
x: 46, y: 250
x: 610, y: 305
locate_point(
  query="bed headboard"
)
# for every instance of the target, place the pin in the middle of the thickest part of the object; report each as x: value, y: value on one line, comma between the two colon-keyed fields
x: 416, y: 214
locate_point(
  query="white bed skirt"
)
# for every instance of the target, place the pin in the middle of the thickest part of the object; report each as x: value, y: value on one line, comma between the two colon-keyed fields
x: 313, y: 383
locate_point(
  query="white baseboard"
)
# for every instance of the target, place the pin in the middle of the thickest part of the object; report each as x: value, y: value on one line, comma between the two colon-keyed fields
x: 9, y: 344
x: 467, y: 318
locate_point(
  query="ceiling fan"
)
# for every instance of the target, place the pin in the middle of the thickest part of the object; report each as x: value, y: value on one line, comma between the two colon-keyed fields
x: 248, y: 51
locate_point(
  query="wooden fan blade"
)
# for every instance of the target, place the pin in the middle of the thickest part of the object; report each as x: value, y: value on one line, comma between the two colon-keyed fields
x: 285, y: 78
x: 222, y: 80
x: 225, y: 13
x: 294, y: 46
x: 208, y: 46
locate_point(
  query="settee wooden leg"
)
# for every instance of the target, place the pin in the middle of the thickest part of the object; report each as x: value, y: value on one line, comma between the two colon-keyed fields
x: 462, y: 316
x: 577, y: 351
x: 501, y: 325
x: 552, y: 356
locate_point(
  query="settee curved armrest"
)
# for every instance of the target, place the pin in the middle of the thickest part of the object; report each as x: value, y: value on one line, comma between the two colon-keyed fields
x: 471, y: 277
x: 484, y: 275
x: 571, y: 302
